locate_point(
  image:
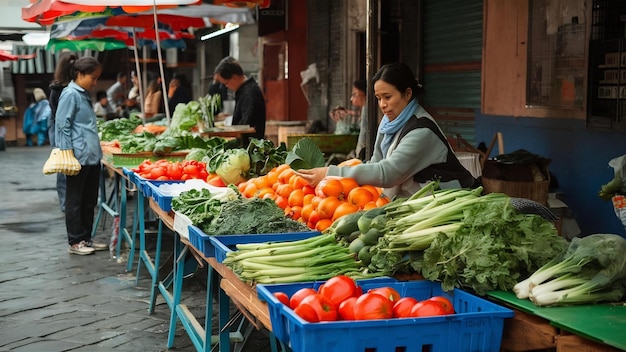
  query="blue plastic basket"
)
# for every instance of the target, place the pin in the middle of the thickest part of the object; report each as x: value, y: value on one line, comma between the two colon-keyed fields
x: 164, y: 201
x: 476, y: 326
x: 227, y: 243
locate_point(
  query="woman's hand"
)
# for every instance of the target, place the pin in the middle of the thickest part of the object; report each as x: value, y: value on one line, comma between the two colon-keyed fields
x: 313, y: 176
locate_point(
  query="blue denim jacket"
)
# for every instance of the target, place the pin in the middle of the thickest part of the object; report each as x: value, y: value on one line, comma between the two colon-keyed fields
x: 76, y: 126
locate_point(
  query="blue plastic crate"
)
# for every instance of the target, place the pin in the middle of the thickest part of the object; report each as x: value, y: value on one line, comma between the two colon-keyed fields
x: 476, y: 326
x: 164, y: 200
x: 227, y: 243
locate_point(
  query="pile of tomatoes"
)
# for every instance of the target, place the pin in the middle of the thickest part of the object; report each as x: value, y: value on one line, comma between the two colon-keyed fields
x: 165, y: 170
x: 317, y: 206
x: 340, y: 298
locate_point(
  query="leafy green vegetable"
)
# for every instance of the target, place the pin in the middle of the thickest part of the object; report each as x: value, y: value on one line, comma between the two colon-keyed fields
x: 305, y: 155
x: 232, y: 165
x: 252, y: 216
x: 495, y: 246
x: 137, y: 143
x: 264, y: 156
x: 592, y: 269
x: 114, y: 129
x: 185, y: 117
x: 201, y: 206
x: 209, y: 105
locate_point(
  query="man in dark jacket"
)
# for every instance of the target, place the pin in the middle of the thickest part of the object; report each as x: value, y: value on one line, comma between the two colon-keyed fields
x: 249, y: 100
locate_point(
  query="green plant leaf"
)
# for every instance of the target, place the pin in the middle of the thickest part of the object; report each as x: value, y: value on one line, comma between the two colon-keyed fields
x: 305, y: 155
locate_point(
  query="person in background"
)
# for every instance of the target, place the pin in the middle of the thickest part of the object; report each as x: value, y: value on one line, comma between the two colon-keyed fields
x: 76, y: 130
x: 249, y: 100
x: 177, y: 93
x: 133, y: 102
x: 102, y: 108
x: 117, y: 94
x: 62, y: 77
x: 154, y: 99
x: 358, y: 100
x: 410, y: 148
x: 42, y: 114
x: 29, y: 123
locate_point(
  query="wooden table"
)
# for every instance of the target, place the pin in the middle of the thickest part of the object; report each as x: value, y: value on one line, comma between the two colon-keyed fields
x: 229, y: 132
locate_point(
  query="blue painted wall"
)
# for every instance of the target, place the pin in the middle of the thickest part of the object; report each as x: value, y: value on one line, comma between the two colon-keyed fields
x: 579, y: 156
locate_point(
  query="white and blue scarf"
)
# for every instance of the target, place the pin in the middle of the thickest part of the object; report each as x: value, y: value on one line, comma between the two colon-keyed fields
x: 389, y: 128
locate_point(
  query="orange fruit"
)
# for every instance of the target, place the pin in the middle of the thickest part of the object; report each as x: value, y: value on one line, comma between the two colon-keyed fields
x: 296, y: 212
x: 284, y: 190
x: 280, y: 168
x: 285, y: 175
x: 296, y: 198
x: 272, y: 177
x: 306, y: 211
x: 374, y: 190
x: 316, y: 201
x: 241, y: 186
x: 297, y: 182
x: 344, y: 208
x: 382, y: 200
x: 308, y: 189
x: 360, y: 196
x: 281, y: 201
x: 314, y: 217
x: 307, y: 199
x: 348, y: 184
x: 323, y: 224
x: 350, y: 162
x: 261, y: 182
x: 327, y: 207
x: 264, y: 192
x: 370, y: 205
x: 329, y: 187
x: 250, y: 190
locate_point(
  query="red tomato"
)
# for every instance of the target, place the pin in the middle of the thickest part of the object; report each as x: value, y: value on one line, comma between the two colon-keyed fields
x: 191, y: 170
x: 391, y: 293
x: 307, y: 313
x: 402, y: 307
x: 163, y: 178
x: 358, y: 291
x: 324, y: 308
x: 175, y: 171
x: 448, y: 307
x: 427, y: 308
x: 337, y: 289
x: 157, y: 172
x: 282, y: 297
x: 299, y: 295
x: 373, y: 306
x: 346, y: 309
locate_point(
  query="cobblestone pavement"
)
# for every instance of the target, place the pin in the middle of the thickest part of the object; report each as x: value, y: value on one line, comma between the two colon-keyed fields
x: 51, y: 300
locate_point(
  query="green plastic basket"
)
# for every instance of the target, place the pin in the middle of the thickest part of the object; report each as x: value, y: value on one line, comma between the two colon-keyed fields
x: 133, y: 160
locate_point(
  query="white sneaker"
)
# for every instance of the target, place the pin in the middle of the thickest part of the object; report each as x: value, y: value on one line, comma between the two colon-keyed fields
x: 98, y: 246
x: 81, y: 248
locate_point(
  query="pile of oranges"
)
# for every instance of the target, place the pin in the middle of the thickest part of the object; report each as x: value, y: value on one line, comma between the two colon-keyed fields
x: 317, y: 206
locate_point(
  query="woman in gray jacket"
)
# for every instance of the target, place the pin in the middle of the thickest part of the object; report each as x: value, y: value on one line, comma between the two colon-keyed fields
x: 410, y: 148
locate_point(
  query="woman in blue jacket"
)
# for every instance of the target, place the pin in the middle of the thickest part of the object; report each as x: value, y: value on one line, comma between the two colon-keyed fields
x: 76, y: 130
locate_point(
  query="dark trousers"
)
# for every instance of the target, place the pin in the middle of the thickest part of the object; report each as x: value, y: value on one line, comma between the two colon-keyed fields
x: 81, y: 199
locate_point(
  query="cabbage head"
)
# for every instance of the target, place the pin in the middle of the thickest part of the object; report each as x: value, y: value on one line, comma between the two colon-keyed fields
x: 233, y: 166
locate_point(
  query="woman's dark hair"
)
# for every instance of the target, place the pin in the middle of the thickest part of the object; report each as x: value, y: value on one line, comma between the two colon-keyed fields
x: 361, y: 85
x: 84, y: 65
x: 228, y: 67
x: 400, y: 76
x: 153, y: 86
x: 101, y: 94
x: 62, y: 71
